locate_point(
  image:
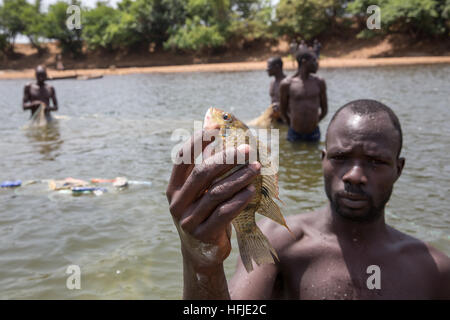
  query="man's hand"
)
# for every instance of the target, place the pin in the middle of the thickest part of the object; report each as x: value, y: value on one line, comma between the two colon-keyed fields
x: 32, y: 104
x: 203, y: 208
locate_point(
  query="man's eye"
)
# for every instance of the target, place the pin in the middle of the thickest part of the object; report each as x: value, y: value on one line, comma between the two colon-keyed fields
x: 338, y: 157
x: 377, y: 162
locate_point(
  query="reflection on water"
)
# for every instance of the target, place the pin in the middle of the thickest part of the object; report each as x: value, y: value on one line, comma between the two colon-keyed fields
x: 46, y: 139
x: 300, y: 173
x: 125, y: 242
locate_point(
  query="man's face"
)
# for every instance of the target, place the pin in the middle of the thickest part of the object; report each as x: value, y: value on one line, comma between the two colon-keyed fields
x: 311, y: 65
x: 41, y: 76
x: 360, y: 164
x: 271, y: 68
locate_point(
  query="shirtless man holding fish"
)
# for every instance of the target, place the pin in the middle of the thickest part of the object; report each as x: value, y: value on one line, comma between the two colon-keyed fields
x: 39, y: 93
x: 342, y: 251
x: 303, y: 100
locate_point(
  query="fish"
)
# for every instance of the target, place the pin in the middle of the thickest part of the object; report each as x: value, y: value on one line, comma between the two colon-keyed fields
x: 253, y: 244
x: 266, y: 119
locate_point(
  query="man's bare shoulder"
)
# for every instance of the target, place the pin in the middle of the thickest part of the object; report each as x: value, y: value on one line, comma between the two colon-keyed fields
x: 432, y: 263
x: 320, y: 80
x: 49, y: 87
x: 407, y: 244
x: 286, y: 81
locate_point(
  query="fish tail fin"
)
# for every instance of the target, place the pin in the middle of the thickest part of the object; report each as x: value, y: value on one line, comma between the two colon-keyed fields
x: 254, y: 245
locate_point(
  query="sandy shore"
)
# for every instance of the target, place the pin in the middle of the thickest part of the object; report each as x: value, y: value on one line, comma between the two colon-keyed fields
x: 232, y: 67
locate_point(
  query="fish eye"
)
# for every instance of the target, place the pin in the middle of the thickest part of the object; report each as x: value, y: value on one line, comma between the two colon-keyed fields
x: 226, y: 117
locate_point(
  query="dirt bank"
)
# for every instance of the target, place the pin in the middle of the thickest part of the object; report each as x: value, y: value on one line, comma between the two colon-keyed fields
x: 230, y: 67
x: 338, y: 52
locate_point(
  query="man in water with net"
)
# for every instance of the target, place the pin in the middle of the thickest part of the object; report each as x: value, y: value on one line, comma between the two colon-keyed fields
x: 38, y: 95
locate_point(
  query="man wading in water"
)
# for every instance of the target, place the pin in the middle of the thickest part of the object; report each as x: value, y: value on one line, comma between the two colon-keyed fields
x: 275, y: 69
x: 342, y: 251
x: 36, y: 94
x: 303, y: 100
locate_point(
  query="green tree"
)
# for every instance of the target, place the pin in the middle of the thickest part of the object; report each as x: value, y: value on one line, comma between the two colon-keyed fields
x: 154, y: 18
x: 306, y: 18
x: 10, y: 19
x: 195, y: 36
x: 96, y: 23
x: 34, y: 22
x: 419, y: 18
x: 251, y: 20
x: 203, y: 29
x: 213, y: 24
x: 122, y: 35
x: 56, y: 28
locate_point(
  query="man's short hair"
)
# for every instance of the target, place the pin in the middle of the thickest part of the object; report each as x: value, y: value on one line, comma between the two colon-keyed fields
x: 365, y: 107
x: 304, y: 54
x: 276, y: 61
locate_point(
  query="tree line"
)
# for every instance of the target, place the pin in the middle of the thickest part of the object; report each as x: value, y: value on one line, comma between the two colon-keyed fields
x: 208, y: 25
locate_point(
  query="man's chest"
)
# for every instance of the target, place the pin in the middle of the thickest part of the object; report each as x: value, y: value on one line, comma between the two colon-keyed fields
x: 304, y: 89
x: 40, y: 92
x: 335, y: 277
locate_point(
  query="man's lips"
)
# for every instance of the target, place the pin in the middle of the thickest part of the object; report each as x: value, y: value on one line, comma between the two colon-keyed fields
x: 353, y: 201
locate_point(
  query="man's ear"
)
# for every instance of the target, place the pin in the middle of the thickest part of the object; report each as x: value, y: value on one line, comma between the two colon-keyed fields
x: 400, y: 166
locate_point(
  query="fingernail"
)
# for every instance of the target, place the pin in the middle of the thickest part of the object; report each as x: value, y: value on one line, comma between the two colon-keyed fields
x: 256, y: 165
x: 244, y: 148
x: 251, y: 188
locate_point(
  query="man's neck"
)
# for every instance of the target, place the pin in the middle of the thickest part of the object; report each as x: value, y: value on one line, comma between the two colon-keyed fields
x: 279, y: 76
x: 303, y: 74
x: 357, y: 232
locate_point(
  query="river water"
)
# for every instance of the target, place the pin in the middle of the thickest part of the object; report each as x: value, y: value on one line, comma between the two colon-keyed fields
x: 124, y: 241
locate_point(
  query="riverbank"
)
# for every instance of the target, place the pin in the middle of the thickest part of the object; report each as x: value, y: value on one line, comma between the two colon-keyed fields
x: 231, y: 67
x: 343, y: 51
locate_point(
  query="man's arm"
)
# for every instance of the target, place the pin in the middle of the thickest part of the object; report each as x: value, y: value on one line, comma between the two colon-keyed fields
x: 260, y: 283
x: 55, y: 101
x: 202, y: 212
x: 443, y: 265
x: 323, y: 99
x: 445, y: 289
x: 284, y: 99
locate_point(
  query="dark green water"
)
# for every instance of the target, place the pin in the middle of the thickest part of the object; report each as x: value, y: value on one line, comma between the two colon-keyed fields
x: 125, y: 242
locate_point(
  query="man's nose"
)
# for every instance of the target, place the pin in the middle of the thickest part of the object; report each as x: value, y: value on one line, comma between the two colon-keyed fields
x: 355, y: 175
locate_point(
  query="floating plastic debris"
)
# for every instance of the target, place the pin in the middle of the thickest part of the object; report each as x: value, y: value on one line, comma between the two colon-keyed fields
x: 11, y: 184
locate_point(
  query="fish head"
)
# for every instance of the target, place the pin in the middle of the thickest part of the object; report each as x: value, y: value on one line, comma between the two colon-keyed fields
x: 219, y: 119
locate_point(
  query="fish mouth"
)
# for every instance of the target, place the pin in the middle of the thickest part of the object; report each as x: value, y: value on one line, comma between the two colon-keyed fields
x: 208, y: 121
